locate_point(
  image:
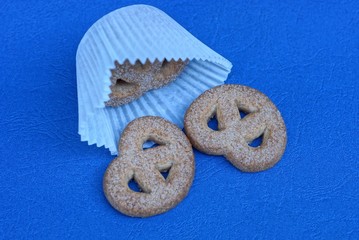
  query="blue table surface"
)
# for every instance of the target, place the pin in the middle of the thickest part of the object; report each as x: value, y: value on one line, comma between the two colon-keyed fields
x: 303, y: 54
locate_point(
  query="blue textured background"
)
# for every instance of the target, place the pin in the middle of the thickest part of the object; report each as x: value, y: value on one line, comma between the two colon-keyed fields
x: 304, y: 56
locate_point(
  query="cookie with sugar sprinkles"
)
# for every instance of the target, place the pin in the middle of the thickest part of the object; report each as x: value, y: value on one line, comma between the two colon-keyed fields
x: 235, y: 134
x: 158, y: 194
x: 131, y: 81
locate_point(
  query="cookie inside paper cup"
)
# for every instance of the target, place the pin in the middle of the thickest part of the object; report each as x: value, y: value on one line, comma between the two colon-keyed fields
x: 131, y: 81
x: 173, y: 68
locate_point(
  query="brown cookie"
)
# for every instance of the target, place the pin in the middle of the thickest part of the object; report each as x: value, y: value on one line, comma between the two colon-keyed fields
x: 235, y: 134
x: 130, y: 81
x: 158, y: 195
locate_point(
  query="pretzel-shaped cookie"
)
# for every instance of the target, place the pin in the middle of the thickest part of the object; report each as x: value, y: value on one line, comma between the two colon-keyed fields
x: 144, y: 166
x: 234, y: 134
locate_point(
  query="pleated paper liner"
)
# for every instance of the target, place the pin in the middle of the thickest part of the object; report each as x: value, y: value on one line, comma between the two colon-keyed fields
x: 139, y: 32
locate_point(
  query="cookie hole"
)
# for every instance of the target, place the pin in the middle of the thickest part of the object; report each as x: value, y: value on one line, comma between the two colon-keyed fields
x: 133, y: 185
x: 123, y: 88
x: 164, y: 63
x: 149, y: 144
x: 243, y: 113
x: 165, y: 172
x: 120, y: 83
x: 167, y: 67
x: 257, y: 141
x: 213, y: 123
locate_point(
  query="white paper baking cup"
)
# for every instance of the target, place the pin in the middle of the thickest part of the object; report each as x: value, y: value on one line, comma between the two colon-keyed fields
x: 139, y: 32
